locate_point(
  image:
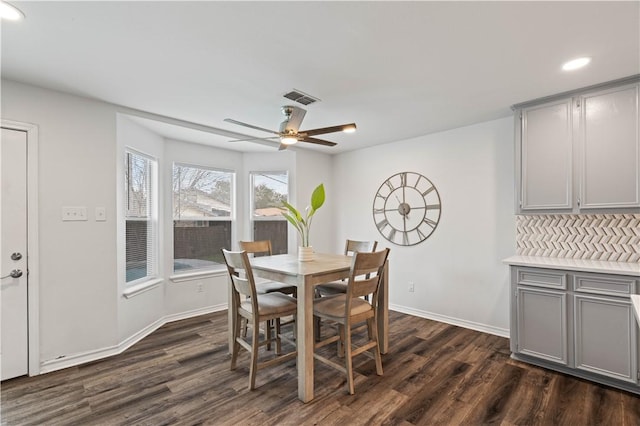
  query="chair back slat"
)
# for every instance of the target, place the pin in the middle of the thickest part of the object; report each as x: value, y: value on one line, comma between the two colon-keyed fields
x: 353, y: 246
x: 371, y: 267
x: 257, y: 248
x: 240, y: 273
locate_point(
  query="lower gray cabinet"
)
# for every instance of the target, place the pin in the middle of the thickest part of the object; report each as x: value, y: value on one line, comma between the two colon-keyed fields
x: 542, y: 324
x: 605, y: 337
x: 586, y: 329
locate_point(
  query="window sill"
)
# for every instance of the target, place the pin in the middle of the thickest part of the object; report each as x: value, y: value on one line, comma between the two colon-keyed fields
x: 190, y: 276
x: 141, y: 288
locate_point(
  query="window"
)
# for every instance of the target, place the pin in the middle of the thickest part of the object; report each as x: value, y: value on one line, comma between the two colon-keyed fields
x: 202, y: 216
x: 141, y: 217
x: 268, y: 191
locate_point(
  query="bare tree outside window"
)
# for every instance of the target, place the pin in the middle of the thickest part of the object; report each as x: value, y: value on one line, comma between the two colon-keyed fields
x: 268, y: 191
x: 202, y: 214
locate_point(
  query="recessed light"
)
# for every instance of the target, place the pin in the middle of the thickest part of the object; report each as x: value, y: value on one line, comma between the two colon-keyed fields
x: 574, y: 64
x: 10, y: 12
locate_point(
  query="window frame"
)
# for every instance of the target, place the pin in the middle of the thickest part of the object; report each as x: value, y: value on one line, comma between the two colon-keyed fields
x: 151, y: 217
x: 252, y: 197
x: 178, y: 218
x: 253, y: 220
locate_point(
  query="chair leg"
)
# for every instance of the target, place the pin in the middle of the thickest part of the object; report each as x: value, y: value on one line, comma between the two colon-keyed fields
x: 236, y: 346
x: 341, y: 340
x: 267, y: 332
x: 254, y: 355
x: 278, y: 341
x: 244, y: 327
x: 371, y: 326
x: 317, y: 332
x: 347, y: 358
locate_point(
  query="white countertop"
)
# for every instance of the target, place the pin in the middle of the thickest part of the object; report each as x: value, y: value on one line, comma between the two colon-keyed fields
x: 635, y: 300
x: 583, y: 265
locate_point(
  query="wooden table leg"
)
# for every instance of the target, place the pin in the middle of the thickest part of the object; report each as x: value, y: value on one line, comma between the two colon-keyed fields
x: 305, y: 340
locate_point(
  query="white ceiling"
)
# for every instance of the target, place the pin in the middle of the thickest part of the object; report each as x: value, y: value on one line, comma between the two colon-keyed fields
x: 397, y: 69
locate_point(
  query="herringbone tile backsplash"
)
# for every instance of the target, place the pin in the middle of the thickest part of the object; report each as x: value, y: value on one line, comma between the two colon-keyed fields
x: 612, y: 237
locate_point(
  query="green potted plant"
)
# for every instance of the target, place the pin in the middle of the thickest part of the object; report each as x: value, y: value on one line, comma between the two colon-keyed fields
x: 303, y: 223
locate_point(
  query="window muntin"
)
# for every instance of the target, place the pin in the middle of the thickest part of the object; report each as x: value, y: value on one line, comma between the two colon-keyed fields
x: 202, y: 216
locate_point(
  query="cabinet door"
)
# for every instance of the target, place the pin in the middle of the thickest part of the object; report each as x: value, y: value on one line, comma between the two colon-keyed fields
x: 605, y: 337
x: 610, y: 149
x: 546, y: 151
x: 542, y: 324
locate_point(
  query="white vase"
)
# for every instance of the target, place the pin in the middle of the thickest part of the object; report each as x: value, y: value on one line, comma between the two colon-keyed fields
x: 305, y: 254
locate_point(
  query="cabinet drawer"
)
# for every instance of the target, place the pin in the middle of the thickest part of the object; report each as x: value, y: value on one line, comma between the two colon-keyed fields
x: 542, y: 278
x: 604, y: 284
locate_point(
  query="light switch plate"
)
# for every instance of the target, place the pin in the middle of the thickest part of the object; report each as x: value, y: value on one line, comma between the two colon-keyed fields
x: 101, y: 214
x: 70, y: 214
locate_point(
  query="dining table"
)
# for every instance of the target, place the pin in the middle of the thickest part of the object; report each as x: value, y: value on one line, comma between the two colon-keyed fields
x: 305, y: 275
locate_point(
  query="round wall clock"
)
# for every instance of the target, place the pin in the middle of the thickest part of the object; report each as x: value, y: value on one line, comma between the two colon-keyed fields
x: 406, y: 208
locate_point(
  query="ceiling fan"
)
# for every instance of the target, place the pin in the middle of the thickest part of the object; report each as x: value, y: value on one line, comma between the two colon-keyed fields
x: 290, y: 134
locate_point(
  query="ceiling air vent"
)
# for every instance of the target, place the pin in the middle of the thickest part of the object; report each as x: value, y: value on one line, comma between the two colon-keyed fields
x: 300, y: 97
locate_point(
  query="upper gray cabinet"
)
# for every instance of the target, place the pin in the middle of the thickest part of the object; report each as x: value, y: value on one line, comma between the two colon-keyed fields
x: 580, y: 151
x: 609, y: 149
x: 547, y: 151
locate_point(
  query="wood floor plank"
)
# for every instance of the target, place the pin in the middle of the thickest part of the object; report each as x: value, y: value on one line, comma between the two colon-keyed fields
x: 434, y: 374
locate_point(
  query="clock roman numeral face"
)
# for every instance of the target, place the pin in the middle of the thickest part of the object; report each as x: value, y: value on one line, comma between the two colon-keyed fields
x: 406, y: 208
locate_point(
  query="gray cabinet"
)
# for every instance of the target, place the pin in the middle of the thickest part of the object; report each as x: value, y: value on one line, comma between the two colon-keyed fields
x: 605, y: 337
x: 576, y: 322
x: 605, y: 333
x: 580, y: 151
x: 542, y: 324
x: 609, y: 149
x: 547, y: 151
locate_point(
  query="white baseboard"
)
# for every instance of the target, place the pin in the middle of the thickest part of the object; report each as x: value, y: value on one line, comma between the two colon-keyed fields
x: 97, y: 354
x: 194, y: 313
x: 502, y: 332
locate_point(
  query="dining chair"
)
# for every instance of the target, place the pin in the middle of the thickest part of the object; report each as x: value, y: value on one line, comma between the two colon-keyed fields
x: 351, y: 247
x: 263, y: 248
x: 263, y: 286
x: 255, y: 308
x: 349, y: 309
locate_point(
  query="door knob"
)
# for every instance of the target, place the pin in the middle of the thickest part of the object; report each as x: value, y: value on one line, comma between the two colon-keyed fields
x: 16, y: 256
x: 16, y: 273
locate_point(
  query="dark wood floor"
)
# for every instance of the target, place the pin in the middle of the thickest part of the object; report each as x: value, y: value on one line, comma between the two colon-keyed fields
x: 434, y: 374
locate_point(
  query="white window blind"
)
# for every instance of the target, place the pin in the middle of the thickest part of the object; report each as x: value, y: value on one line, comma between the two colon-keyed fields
x: 141, y: 233
x: 202, y: 216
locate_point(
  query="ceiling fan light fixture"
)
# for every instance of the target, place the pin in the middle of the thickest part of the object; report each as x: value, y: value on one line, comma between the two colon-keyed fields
x: 10, y: 12
x: 288, y: 139
x: 350, y: 128
x: 575, y: 64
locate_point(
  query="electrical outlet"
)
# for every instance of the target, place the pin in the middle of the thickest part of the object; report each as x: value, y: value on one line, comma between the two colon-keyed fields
x: 412, y: 287
x: 199, y: 288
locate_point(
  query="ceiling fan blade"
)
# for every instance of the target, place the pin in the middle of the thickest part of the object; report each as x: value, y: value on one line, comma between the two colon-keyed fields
x: 282, y: 147
x: 295, y: 119
x: 240, y: 123
x: 272, y: 138
x: 317, y: 141
x: 331, y: 129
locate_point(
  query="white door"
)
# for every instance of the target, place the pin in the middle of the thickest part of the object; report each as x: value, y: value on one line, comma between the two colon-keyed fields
x: 13, y: 254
